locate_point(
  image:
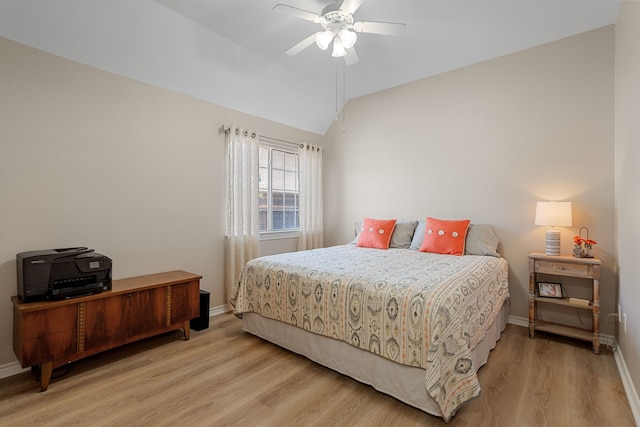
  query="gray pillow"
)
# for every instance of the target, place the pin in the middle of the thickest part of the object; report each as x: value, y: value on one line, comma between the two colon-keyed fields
x: 481, y: 240
x: 402, y: 234
x: 401, y: 237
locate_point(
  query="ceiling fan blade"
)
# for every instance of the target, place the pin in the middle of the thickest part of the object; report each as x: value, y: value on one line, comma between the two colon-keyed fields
x: 350, y: 6
x: 298, y: 13
x: 388, y: 28
x: 297, y: 48
x: 351, y: 57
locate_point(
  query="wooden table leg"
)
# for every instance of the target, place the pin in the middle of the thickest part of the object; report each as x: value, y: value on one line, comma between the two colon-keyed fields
x: 45, y: 374
x: 187, y: 329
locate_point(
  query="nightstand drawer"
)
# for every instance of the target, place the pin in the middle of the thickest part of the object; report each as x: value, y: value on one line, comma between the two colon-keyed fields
x: 564, y: 269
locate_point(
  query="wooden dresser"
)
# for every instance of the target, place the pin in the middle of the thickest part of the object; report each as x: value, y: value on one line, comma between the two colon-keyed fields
x: 53, y: 333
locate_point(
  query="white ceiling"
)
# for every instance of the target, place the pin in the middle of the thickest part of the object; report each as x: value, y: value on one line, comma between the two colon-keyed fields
x: 231, y: 52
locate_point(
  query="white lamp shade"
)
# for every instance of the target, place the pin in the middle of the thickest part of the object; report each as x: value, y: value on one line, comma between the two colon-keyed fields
x: 338, y: 48
x: 348, y: 38
x: 323, y: 38
x: 555, y: 214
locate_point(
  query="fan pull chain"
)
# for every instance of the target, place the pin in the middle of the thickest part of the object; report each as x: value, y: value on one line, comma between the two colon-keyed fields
x: 337, y: 116
x: 344, y: 96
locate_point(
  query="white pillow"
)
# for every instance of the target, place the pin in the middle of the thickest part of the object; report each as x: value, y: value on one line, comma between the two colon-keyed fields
x: 418, y: 236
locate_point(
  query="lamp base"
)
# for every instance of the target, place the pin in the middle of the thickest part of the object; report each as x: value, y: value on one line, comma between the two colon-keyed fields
x: 552, y: 242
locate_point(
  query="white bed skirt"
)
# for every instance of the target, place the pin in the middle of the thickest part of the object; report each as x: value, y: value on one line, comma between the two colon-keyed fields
x: 405, y: 383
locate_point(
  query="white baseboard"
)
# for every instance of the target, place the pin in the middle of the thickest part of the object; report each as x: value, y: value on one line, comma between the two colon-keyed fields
x: 518, y: 321
x: 630, y: 390
x: 10, y: 369
x: 221, y: 309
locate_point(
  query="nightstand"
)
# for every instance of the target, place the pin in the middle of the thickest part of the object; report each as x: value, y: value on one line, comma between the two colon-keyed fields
x: 565, y: 265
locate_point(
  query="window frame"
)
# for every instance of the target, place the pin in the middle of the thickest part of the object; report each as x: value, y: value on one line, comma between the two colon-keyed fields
x: 289, y: 148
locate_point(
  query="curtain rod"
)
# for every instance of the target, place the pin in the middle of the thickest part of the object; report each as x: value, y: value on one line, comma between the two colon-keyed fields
x: 281, y: 140
x: 225, y: 129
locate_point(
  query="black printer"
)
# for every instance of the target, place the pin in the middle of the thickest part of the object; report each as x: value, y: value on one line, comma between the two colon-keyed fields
x: 62, y: 273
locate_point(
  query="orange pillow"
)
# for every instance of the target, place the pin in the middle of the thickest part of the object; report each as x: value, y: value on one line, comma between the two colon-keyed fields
x: 444, y: 237
x: 376, y: 233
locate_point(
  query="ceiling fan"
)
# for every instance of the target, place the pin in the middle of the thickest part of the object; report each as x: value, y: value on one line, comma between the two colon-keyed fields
x: 338, y: 26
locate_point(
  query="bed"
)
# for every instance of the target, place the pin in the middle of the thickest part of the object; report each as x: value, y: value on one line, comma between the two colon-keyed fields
x: 415, y: 325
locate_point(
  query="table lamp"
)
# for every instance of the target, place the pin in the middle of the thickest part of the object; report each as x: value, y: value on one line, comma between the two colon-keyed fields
x: 553, y: 214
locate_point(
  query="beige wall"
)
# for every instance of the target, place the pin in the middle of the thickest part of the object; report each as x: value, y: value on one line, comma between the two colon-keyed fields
x: 486, y: 142
x: 137, y: 172
x: 627, y: 178
x: 88, y: 158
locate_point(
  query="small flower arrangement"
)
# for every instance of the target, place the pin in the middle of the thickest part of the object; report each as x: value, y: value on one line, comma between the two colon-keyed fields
x: 580, y: 251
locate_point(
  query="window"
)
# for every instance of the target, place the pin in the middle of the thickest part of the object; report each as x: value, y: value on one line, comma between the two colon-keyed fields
x: 279, y: 189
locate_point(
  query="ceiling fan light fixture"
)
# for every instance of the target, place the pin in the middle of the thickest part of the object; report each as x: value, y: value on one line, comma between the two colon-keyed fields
x: 323, y: 38
x: 348, y: 38
x: 338, y: 48
x: 338, y: 25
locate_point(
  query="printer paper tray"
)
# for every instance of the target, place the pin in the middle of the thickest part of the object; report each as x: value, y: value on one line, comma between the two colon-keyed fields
x: 77, y: 291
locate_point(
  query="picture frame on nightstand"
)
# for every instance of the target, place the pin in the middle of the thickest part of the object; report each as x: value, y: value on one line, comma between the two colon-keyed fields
x: 550, y: 290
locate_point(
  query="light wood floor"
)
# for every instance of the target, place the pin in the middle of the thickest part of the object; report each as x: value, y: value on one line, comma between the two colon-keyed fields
x: 223, y: 376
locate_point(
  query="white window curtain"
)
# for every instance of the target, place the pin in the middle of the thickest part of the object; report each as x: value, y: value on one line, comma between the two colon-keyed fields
x: 310, y: 235
x: 242, y: 236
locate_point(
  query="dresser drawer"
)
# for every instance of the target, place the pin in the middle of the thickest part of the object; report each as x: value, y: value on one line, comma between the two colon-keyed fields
x: 564, y: 269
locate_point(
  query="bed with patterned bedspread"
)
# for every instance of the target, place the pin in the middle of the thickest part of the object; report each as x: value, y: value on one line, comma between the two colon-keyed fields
x: 414, y: 308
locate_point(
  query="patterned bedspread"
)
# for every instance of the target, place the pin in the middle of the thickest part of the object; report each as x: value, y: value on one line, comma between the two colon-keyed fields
x: 418, y: 309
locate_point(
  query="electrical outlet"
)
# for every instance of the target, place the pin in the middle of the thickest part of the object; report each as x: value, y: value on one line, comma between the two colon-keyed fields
x: 624, y: 321
x: 619, y: 314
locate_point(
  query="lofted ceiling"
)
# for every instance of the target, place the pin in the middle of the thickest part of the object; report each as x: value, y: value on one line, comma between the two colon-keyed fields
x: 231, y: 52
